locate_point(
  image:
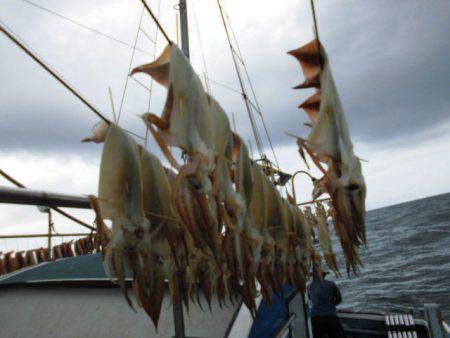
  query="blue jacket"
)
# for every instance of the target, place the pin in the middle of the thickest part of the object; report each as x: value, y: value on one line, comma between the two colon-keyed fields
x: 325, y: 295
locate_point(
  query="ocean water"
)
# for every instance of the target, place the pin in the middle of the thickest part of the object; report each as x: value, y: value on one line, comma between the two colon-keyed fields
x: 407, y: 259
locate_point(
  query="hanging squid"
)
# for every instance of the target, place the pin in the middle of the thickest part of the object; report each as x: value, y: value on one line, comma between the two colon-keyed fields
x: 186, y: 121
x: 120, y: 199
x: 168, y: 255
x: 245, y: 240
x: 57, y: 252
x: 2, y: 265
x: 30, y: 258
x: 325, y: 243
x: 299, y: 253
x: 329, y: 142
x: 9, y: 262
x: 276, y: 223
x: 20, y: 260
x: 41, y: 255
x: 259, y: 216
x: 193, y: 122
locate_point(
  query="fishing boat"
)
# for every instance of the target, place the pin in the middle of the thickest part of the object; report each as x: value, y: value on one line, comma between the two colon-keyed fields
x: 68, y: 290
x: 72, y: 297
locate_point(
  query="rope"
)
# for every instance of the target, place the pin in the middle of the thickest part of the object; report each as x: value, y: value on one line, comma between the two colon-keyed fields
x: 316, y: 32
x: 129, y: 67
x: 258, y: 108
x: 83, y: 26
x: 20, y: 185
x: 241, y: 83
x: 112, y: 105
x: 156, y: 20
x: 147, y: 36
x: 206, y: 76
x: 164, y: 217
x: 221, y: 84
x: 33, y: 54
x: 141, y: 84
x: 52, y: 72
x: 152, y: 81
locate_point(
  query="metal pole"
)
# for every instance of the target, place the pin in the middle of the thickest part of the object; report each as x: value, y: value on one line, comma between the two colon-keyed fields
x: 20, y: 185
x: 184, y: 28
x: 33, y: 197
x: 178, y: 318
x: 44, y: 235
x: 49, y: 234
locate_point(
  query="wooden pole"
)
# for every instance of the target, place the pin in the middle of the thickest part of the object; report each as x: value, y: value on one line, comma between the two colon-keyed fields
x: 315, y: 201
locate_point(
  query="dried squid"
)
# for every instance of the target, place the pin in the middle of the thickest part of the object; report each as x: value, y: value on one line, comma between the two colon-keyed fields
x: 9, y: 262
x: 247, y: 240
x: 186, y: 121
x: 20, y: 260
x: 191, y: 122
x: 329, y: 142
x: 30, y: 258
x: 2, y: 266
x: 259, y: 216
x: 121, y: 200
x: 168, y: 254
x: 325, y: 243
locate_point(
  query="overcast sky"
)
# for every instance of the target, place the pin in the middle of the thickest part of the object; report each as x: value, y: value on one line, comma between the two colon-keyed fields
x: 390, y: 60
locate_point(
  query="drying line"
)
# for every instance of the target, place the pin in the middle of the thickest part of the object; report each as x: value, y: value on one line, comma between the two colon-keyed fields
x: 96, y: 31
x: 129, y: 67
x: 43, y: 64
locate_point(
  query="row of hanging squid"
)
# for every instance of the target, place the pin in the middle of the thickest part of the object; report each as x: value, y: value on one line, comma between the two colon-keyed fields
x: 215, y: 223
x: 11, y: 261
x: 329, y: 144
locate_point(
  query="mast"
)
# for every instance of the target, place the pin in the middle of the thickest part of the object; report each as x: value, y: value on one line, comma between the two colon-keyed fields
x: 184, y: 28
x: 178, y: 317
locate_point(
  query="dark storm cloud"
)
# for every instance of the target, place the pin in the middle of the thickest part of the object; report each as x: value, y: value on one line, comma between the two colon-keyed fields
x: 392, y: 65
x: 390, y: 61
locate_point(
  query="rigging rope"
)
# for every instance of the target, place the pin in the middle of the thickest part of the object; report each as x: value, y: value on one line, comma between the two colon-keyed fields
x: 129, y: 67
x: 147, y: 36
x: 96, y: 31
x: 21, y: 44
x: 206, y: 76
x: 222, y: 85
x: 258, y: 108
x: 34, y: 55
x: 141, y: 84
x: 151, y: 80
x: 316, y: 32
x: 156, y: 20
x: 241, y: 83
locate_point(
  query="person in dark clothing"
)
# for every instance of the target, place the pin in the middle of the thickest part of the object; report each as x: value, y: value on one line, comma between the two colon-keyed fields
x: 325, y: 295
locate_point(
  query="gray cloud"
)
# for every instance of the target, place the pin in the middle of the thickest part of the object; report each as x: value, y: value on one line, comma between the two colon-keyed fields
x: 390, y: 61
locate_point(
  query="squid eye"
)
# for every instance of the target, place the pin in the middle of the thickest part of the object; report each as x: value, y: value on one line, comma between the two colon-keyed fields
x: 353, y: 187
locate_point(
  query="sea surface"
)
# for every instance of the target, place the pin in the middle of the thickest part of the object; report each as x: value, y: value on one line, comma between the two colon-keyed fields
x: 407, y: 259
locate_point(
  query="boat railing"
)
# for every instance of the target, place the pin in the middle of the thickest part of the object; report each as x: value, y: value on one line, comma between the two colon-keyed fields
x: 284, y: 329
x: 296, y: 325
